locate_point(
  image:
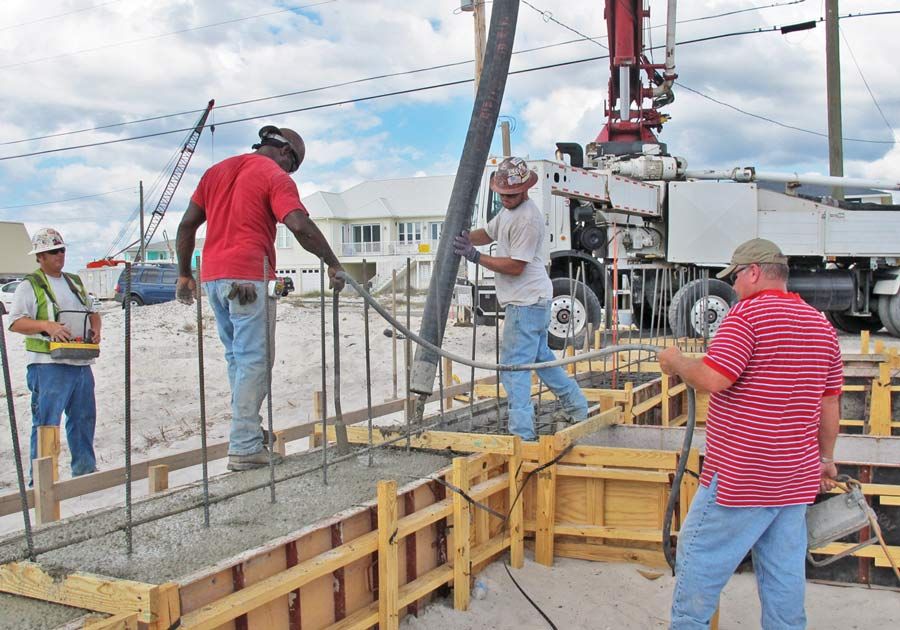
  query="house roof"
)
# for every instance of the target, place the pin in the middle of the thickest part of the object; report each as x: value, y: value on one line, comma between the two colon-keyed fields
x: 407, y: 197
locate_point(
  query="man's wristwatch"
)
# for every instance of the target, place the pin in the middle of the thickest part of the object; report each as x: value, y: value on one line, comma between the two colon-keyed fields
x: 826, y: 460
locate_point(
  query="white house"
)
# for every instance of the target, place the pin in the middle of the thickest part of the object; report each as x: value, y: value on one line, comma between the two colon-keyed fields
x: 382, y: 222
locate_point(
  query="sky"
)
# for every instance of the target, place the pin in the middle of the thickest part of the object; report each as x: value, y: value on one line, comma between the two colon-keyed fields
x: 73, y: 65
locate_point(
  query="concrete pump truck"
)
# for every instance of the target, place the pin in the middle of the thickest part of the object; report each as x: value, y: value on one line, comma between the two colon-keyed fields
x: 629, y: 227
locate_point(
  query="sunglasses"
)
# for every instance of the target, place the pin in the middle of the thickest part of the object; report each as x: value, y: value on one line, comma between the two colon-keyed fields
x: 732, y: 277
x: 56, y: 252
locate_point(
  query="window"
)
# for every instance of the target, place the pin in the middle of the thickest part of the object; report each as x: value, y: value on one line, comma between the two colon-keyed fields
x: 282, y: 237
x: 435, y: 230
x: 366, y: 233
x: 409, y: 232
x: 494, y: 204
x: 170, y: 276
x: 151, y: 276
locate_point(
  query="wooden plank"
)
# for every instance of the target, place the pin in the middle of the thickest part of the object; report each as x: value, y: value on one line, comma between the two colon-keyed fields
x: 487, y: 550
x: 607, y: 553
x: 49, y: 446
x: 601, y: 472
x: 424, y: 517
x: 422, y: 586
x: 608, y: 456
x: 158, y: 478
x: 646, y: 405
x: 125, y: 621
x: 272, y: 614
x: 461, y: 529
x: 467, y: 442
x: 46, y: 509
x: 250, y: 598
x: 872, y: 551
x: 546, y: 504
x: 516, y: 507
x: 388, y: 557
x: 602, y: 531
x: 80, y: 590
x: 569, y: 435
x: 887, y: 500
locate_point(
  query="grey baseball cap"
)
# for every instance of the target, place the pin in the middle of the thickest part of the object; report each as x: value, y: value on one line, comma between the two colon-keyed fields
x: 754, y: 251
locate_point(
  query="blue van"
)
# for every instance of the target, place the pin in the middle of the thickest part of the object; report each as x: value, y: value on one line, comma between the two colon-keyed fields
x: 150, y: 284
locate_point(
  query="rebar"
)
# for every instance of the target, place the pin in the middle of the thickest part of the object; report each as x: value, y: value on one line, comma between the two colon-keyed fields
x: 340, y: 430
x: 497, y: 359
x: 368, y: 368
x: 128, y: 515
x: 408, y: 354
x: 474, y: 337
x: 324, y: 376
x: 267, y: 313
x: 204, y: 454
x: 14, y: 435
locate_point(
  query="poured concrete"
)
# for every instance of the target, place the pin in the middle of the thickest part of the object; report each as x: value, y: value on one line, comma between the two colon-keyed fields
x: 179, y: 545
x: 21, y: 613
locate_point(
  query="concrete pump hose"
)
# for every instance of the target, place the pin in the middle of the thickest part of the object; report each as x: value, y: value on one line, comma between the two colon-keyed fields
x: 484, y: 365
x: 642, y: 347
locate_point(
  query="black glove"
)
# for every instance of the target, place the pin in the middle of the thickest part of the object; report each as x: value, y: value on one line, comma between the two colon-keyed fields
x: 462, y: 246
x: 244, y: 292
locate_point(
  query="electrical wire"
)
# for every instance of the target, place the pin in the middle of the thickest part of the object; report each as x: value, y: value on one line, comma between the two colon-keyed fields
x: 58, y: 15
x: 161, y: 35
x: 865, y: 82
x: 365, y: 79
x: 455, y: 83
x: 548, y: 17
x: 49, y: 203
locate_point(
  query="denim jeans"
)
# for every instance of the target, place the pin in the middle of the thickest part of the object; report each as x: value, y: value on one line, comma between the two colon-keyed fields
x: 242, y: 329
x: 713, y: 542
x: 57, y: 388
x: 525, y: 341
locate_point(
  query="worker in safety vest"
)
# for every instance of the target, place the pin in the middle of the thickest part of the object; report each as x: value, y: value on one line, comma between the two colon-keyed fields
x: 51, y: 305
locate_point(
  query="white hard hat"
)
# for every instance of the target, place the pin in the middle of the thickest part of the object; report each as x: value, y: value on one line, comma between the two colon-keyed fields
x: 45, y: 240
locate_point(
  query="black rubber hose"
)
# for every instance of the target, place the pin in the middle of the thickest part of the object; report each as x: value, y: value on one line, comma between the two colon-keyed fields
x: 465, y: 188
x: 679, y: 474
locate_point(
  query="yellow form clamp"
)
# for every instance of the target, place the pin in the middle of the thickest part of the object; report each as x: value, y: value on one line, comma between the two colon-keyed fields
x: 72, y: 350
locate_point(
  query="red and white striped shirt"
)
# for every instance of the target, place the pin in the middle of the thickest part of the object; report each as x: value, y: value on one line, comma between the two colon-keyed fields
x: 762, y: 431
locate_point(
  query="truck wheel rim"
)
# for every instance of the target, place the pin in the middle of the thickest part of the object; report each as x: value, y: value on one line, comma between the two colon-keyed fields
x: 566, y: 312
x: 707, y: 314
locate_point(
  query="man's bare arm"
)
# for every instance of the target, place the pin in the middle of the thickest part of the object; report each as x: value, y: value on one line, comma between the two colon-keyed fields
x: 480, y: 237
x: 312, y: 240
x: 186, y: 238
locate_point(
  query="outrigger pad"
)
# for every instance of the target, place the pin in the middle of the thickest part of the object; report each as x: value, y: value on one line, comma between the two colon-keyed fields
x: 67, y: 350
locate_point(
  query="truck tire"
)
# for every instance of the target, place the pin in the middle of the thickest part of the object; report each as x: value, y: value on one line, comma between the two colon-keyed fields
x: 889, y: 313
x: 694, y: 314
x: 855, y: 325
x: 569, y: 318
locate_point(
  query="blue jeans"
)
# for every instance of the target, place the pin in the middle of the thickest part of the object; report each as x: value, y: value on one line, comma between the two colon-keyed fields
x: 57, y: 388
x: 525, y: 341
x: 242, y: 329
x: 713, y: 542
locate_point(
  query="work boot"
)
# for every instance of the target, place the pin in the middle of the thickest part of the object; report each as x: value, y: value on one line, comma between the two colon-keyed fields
x: 259, y: 459
x: 563, y: 419
x: 269, y: 439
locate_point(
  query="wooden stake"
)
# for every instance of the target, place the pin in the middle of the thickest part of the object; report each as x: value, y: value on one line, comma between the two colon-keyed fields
x: 462, y: 567
x: 158, y: 478
x: 388, y: 557
x: 46, y: 503
x: 546, y: 504
x: 280, y: 447
x: 516, y: 514
x: 880, y: 409
x: 448, y: 381
x: 48, y: 446
x: 864, y: 342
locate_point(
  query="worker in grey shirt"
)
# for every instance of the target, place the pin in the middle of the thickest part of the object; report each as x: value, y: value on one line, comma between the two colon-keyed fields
x: 52, y: 305
x: 525, y: 290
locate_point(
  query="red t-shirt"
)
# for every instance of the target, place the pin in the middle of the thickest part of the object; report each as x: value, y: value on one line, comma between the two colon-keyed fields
x: 244, y: 198
x: 762, y: 431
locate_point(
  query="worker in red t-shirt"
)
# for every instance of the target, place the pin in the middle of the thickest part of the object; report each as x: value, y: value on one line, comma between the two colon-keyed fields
x: 775, y: 373
x: 241, y: 199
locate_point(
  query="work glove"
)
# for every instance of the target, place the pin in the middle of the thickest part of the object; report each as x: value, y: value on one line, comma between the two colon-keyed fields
x: 244, y: 292
x: 463, y: 247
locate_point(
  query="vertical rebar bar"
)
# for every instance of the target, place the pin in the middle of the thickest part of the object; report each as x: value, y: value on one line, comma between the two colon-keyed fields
x: 271, y: 440
x: 324, y: 377
x: 14, y: 434
x: 437, y: 297
x: 128, y: 520
x: 394, y: 329
x: 408, y: 355
x: 369, y: 367
x: 340, y: 431
x: 474, y: 344
x: 204, y: 453
x: 497, y: 358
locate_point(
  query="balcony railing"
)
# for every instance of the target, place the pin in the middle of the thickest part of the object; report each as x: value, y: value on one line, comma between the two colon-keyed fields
x: 389, y: 248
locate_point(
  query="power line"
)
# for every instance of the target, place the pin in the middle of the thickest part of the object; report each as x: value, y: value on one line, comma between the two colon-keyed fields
x: 371, y: 78
x: 865, y: 82
x: 548, y: 17
x: 443, y: 85
x: 48, y: 203
x: 58, y: 15
x: 161, y: 35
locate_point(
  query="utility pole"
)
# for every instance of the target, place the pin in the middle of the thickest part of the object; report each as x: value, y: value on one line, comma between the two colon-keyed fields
x: 504, y: 134
x: 141, y: 251
x: 476, y: 7
x: 833, y: 80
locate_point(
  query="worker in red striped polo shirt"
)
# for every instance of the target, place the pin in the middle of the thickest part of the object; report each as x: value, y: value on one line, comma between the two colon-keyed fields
x: 775, y: 374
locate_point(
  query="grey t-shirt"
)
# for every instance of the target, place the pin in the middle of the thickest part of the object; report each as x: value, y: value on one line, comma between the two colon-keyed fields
x: 519, y: 234
x: 24, y: 304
